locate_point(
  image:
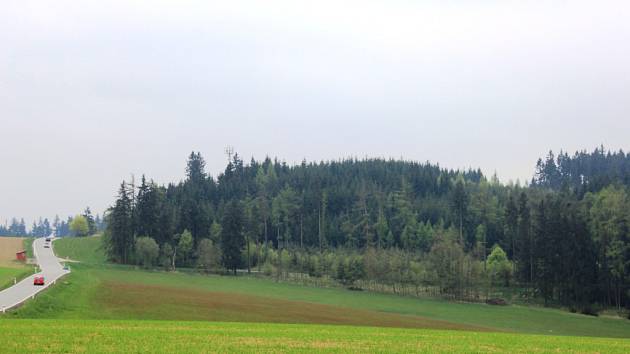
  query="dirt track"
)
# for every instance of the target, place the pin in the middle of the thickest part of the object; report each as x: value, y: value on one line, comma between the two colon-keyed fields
x: 8, y: 247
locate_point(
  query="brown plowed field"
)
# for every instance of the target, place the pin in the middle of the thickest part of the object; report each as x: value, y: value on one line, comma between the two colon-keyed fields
x: 169, y: 303
x: 8, y: 247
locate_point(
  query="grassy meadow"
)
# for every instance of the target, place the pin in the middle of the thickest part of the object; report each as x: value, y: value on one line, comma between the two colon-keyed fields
x: 120, y: 304
x: 83, y: 249
x: 95, y: 290
x: 92, y: 336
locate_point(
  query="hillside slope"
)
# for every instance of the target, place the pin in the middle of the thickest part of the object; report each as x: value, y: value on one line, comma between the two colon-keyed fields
x: 100, y: 291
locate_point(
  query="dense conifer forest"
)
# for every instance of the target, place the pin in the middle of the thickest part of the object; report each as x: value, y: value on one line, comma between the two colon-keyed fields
x: 583, y: 172
x: 390, y: 225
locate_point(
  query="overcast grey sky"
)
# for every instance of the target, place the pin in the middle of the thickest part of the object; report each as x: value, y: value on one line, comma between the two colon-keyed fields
x: 93, y: 91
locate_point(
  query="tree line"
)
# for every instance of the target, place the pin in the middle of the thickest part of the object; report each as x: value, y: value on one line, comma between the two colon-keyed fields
x: 583, y: 172
x: 378, y: 223
x: 80, y: 225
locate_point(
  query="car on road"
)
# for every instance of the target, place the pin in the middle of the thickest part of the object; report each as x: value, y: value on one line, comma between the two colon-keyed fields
x: 46, y: 246
x: 38, y: 280
x: 47, y: 239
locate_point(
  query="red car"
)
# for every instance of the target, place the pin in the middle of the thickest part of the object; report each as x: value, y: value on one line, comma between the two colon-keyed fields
x: 39, y: 280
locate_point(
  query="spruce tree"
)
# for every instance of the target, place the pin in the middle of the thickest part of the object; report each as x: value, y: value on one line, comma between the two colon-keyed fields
x: 459, y: 203
x: 232, y: 240
x: 511, y: 226
x: 120, y: 228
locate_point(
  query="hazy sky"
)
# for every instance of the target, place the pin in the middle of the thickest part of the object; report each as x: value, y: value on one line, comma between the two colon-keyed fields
x: 93, y: 91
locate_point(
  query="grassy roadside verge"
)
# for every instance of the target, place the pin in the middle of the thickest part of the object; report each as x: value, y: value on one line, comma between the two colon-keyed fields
x: 7, y: 276
x: 28, y: 246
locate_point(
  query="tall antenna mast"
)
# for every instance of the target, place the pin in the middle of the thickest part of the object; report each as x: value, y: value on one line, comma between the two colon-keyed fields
x: 229, y: 151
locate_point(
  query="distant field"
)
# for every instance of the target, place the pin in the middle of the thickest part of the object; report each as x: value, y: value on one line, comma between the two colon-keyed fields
x: 78, y: 336
x: 8, y: 247
x: 99, y: 291
x: 11, y: 269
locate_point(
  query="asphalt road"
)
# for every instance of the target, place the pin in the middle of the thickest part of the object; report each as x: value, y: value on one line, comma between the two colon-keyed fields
x: 50, y: 268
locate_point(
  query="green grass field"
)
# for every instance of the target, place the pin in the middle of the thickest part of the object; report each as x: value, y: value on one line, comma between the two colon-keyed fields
x: 98, y: 291
x: 95, y: 297
x: 7, y: 275
x: 84, y: 249
x: 79, y: 336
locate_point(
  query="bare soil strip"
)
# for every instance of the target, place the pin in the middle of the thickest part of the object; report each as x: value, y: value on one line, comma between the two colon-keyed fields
x: 169, y: 303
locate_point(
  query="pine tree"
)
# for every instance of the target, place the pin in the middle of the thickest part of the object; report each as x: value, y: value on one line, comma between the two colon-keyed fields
x: 195, y: 168
x: 22, y: 228
x: 459, y: 203
x: 120, y: 228
x: 232, y: 239
x: 382, y: 229
x: 525, y: 244
x: 511, y: 225
x: 87, y: 214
